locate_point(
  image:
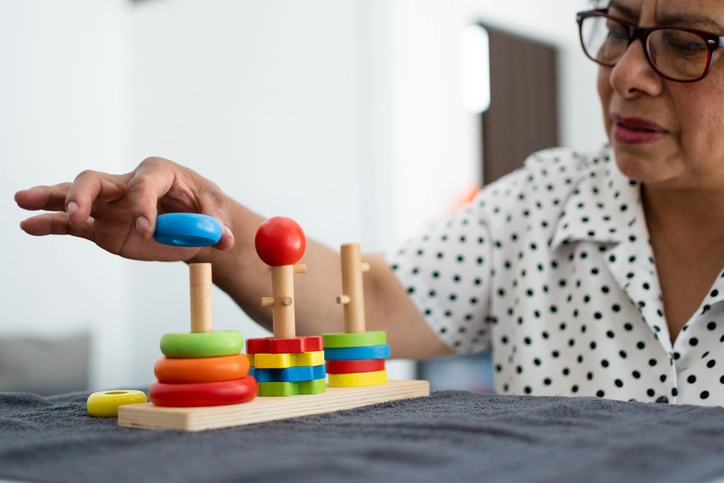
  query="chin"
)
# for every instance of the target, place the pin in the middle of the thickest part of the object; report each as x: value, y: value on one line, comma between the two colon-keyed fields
x: 639, y: 167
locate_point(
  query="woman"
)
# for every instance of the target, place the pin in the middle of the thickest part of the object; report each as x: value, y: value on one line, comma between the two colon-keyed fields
x: 587, y: 275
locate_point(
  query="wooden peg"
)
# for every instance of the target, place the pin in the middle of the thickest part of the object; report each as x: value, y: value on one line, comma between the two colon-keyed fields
x: 271, y: 301
x: 283, y: 296
x: 200, y: 283
x: 353, y: 297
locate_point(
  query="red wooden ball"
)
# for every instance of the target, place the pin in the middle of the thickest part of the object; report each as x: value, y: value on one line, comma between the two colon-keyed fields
x: 280, y: 241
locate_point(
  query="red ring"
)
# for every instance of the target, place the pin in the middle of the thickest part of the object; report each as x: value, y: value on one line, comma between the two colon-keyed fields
x: 355, y: 366
x: 201, y: 369
x: 219, y: 393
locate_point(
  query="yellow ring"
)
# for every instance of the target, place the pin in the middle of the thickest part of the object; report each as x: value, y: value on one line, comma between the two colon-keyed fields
x: 105, y: 404
x: 356, y: 379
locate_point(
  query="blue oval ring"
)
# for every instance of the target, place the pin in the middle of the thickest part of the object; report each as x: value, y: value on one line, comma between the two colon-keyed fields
x: 187, y: 230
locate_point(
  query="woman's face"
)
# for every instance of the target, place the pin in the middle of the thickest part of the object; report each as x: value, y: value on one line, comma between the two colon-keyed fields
x: 666, y: 134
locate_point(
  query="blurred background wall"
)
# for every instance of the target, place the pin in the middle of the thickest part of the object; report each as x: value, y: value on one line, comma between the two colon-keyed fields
x: 343, y: 114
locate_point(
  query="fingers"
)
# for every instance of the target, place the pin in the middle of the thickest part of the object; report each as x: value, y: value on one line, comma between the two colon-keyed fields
x: 56, y: 224
x: 95, y: 199
x: 149, y: 184
x: 214, y: 202
x: 90, y: 188
x: 143, y: 187
x: 160, y: 181
x: 50, y: 198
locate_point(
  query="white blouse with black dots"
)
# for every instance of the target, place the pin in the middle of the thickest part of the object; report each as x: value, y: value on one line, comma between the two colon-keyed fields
x: 551, y: 267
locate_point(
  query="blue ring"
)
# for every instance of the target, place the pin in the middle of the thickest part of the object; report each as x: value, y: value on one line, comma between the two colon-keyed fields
x: 187, y: 230
x: 381, y: 351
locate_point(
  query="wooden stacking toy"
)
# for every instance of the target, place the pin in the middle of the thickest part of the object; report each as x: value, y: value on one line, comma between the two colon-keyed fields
x: 196, y: 365
x: 355, y: 357
x: 284, y: 365
x: 202, y: 367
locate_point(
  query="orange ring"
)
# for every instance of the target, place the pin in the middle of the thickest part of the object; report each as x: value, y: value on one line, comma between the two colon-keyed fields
x: 201, y: 369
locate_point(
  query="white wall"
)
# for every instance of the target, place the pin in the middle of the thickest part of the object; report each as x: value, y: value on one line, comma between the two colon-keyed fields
x: 63, y: 98
x: 261, y: 97
x: 344, y: 114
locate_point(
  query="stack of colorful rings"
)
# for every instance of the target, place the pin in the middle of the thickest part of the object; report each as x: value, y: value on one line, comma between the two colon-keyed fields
x: 356, y: 359
x: 203, y: 367
x: 287, y: 367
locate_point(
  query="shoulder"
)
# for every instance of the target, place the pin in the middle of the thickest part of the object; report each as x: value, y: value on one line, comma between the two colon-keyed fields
x: 555, y: 162
x: 555, y: 171
x: 532, y: 199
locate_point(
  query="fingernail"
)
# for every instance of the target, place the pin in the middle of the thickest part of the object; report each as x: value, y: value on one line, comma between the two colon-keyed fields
x: 71, y: 208
x: 143, y: 226
x: 228, y: 232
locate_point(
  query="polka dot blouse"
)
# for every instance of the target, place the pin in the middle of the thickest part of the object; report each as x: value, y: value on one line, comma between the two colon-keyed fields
x: 551, y: 267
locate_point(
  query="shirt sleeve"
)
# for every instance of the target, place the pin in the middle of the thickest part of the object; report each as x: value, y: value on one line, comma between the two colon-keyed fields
x: 461, y: 271
x: 447, y: 272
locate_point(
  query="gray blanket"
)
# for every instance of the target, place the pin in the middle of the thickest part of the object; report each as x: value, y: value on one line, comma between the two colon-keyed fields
x: 451, y: 436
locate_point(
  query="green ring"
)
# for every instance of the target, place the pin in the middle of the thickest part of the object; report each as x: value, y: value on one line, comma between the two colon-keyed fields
x: 354, y: 339
x: 202, y: 344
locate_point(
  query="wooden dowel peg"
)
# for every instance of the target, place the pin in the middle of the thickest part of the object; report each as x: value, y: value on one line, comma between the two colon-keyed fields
x: 352, y: 268
x: 201, y: 285
x: 283, y: 291
x: 271, y: 301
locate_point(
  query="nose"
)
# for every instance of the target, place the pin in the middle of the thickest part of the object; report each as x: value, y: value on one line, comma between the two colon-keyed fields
x: 633, y: 74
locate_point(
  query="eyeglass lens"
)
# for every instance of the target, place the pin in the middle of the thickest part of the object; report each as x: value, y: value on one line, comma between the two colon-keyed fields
x: 675, y: 53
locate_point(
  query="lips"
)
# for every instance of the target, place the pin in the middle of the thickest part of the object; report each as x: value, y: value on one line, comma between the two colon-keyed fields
x: 630, y: 130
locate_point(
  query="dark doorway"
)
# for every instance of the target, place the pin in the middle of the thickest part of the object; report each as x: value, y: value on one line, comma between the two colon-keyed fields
x: 523, y: 113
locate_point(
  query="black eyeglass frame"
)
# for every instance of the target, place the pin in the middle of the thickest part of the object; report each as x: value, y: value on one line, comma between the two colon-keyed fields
x: 712, y: 41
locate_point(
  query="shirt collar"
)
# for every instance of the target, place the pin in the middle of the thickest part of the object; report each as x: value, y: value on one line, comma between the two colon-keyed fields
x: 602, y: 207
x: 606, y: 208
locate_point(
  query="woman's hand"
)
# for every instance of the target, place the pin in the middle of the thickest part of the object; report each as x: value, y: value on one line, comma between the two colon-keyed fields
x: 118, y: 212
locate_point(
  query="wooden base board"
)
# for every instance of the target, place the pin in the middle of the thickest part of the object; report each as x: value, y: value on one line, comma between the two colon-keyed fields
x: 148, y: 416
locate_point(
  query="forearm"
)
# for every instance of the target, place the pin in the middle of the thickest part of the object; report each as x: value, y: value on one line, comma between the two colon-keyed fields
x: 246, y: 279
x: 130, y: 202
x: 389, y: 307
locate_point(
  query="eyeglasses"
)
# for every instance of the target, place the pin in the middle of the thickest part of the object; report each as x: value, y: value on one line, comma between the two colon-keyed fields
x: 677, y: 54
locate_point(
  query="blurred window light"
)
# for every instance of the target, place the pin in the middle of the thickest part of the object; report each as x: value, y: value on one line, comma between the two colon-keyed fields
x: 475, y: 68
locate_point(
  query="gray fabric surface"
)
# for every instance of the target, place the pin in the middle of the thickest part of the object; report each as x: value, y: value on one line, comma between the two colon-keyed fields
x: 451, y: 436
